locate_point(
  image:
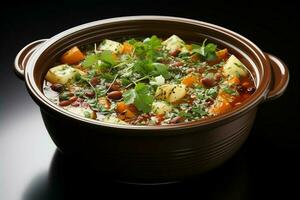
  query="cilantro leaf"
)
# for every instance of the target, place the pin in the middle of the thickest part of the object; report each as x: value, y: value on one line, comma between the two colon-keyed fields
x: 140, y: 96
x: 161, y: 69
x: 198, y: 49
x: 208, y: 52
x: 229, y: 91
x: 198, y: 111
x: 212, y: 92
x: 149, y: 48
x: 125, y: 81
x: 108, y: 76
x: 90, y: 60
x: 129, y: 96
x: 153, y: 43
x: 108, y: 57
x: 144, y: 99
x: 145, y: 68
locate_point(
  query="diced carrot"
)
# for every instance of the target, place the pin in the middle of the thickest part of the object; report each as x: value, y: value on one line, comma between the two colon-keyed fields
x: 121, y: 116
x: 222, y: 54
x: 222, y: 107
x: 127, y: 48
x: 132, y: 108
x: 189, y: 81
x: 226, y: 96
x: 195, y: 57
x: 234, y: 80
x: 129, y: 114
x: 129, y: 111
x: 121, y: 107
x: 72, y: 56
x: 159, y: 118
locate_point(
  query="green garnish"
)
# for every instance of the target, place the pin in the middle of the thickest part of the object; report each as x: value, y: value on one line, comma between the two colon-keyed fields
x: 87, y: 114
x: 208, y: 52
x: 140, y: 96
x: 230, y: 91
x: 108, y: 57
x: 90, y: 60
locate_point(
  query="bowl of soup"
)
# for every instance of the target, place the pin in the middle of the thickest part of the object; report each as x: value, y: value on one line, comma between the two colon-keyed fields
x: 150, y: 99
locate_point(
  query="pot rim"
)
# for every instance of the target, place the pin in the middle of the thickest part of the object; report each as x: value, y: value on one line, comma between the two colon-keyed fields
x: 263, y: 82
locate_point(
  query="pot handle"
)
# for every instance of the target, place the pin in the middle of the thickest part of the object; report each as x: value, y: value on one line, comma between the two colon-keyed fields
x: 280, y: 77
x: 24, y: 55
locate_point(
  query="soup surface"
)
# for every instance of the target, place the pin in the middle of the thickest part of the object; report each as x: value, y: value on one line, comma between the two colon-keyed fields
x: 148, y: 81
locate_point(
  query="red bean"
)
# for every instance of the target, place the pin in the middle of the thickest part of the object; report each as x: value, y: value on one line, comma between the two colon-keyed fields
x: 176, y: 120
x: 218, y: 76
x: 113, y: 87
x: 85, y: 105
x: 90, y: 93
x: 57, y: 87
x: 75, y: 104
x: 80, y: 100
x: 209, y: 102
x: 241, y: 89
x: 65, y: 103
x: 208, y: 82
x: 95, y: 81
x: 115, y: 95
x: 68, y: 102
x: 251, y: 90
x: 175, y: 52
x: 73, y: 98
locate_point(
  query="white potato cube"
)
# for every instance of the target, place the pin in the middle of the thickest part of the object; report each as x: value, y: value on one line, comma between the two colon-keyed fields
x: 161, y: 107
x: 61, y: 74
x: 173, y: 43
x: 171, y: 92
x: 163, y: 92
x: 111, y: 45
x: 84, y: 112
x: 177, y: 93
x: 234, y: 67
x: 158, y: 80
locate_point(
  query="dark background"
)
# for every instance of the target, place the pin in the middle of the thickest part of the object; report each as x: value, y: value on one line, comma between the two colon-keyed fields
x: 267, y: 165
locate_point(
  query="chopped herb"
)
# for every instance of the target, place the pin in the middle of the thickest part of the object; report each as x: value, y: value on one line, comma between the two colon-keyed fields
x: 90, y: 60
x: 229, y: 91
x: 140, y: 96
x: 108, y: 57
x: 212, y: 92
x: 129, y: 96
x: 108, y: 77
x: 87, y: 114
x: 208, y: 52
x: 125, y: 81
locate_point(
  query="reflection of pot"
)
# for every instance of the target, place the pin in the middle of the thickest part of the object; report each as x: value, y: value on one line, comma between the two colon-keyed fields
x: 72, y: 177
x: 149, y: 153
